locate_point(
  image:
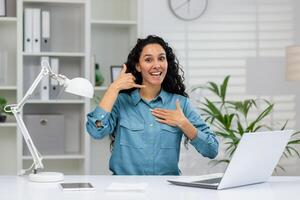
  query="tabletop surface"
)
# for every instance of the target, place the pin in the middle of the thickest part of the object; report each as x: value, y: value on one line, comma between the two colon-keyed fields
x: 19, y: 188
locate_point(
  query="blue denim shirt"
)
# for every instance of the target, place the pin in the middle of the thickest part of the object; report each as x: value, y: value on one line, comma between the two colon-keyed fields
x: 143, y: 146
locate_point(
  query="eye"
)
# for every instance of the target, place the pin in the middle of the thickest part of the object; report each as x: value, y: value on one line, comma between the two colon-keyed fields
x: 162, y: 58
x: 148, y: 59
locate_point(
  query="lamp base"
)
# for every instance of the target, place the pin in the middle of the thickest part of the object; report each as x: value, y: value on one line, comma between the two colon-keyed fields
x: 46, y: 177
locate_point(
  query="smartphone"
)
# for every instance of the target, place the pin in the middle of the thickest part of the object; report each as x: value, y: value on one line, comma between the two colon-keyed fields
x: 76, y: 186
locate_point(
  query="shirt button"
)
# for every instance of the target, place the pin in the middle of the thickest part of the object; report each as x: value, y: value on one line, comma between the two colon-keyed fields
x: 151, y: 125
x: 102, y: 116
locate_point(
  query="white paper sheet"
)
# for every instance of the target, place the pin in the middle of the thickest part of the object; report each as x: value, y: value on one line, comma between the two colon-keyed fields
x: 127, y: 187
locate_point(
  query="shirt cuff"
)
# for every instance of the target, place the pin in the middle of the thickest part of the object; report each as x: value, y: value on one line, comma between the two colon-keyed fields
x: 200, y: 139
x: 100, y: 115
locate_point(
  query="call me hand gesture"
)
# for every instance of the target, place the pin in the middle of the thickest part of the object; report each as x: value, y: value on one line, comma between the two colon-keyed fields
x: 126, y: 80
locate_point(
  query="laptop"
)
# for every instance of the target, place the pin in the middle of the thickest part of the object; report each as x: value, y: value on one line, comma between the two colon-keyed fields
x: 253, y: 161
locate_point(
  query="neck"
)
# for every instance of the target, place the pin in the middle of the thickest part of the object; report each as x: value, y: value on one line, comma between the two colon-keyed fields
x: 150, y: 92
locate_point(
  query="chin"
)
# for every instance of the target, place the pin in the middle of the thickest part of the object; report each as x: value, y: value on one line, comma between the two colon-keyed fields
x: 156, y: 83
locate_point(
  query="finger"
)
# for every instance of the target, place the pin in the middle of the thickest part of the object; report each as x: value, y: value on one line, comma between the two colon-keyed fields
x: 138, y: 86
x: 131, y: 76
x: 158, y: 115
x: 161, y: 120
x: 178, y: 107
x: 164, y: 121
x: 164, y: 115
x: 123, y: 71
x: 160, y: 110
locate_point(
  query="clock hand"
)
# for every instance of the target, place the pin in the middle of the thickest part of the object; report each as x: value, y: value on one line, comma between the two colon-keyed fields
x: 185, y: 2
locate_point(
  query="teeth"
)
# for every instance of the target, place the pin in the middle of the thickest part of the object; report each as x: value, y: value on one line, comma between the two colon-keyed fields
x: 155, y: 73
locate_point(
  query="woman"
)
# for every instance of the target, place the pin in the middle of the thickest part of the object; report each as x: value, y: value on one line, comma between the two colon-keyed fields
x: 151, y: 114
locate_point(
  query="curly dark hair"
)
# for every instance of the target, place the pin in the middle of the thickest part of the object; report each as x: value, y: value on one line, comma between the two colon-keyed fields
x: 173, y: 82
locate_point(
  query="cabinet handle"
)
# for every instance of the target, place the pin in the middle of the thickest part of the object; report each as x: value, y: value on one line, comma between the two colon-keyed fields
x: 43, y: 122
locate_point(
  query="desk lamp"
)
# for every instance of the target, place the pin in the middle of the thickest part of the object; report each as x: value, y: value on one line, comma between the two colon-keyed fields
x: 77, y: 86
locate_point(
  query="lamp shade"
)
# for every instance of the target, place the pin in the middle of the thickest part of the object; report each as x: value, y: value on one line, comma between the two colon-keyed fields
x: 293, y: 62
x: 79, y: 86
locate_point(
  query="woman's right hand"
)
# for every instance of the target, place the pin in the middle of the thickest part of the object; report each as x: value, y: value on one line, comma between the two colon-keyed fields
x: 125, y: 81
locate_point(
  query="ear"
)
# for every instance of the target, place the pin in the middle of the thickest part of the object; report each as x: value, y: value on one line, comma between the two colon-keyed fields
x: 138, y: 68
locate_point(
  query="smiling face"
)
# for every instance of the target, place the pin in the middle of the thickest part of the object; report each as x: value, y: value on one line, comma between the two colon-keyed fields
x: 153, y: 65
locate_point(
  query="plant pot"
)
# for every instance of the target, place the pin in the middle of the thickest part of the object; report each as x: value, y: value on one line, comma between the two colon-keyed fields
x: 2, y: 118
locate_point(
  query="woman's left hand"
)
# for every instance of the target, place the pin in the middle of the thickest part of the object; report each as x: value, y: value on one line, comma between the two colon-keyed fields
x: 170, y: 117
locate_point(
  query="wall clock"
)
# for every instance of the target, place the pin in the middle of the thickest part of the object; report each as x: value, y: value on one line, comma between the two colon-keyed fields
x: 188, y: 9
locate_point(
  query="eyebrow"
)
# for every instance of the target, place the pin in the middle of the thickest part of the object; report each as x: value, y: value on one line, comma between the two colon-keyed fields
x: 161, y: 54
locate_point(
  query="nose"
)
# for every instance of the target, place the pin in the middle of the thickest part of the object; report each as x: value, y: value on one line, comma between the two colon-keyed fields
x: 156, y: 64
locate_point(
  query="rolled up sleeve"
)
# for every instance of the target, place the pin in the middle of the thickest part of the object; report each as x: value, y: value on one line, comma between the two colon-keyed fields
x: 108, y: 122
x: 205, y: 142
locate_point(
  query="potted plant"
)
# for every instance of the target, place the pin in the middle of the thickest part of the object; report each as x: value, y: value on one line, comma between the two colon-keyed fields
x: 230, y: 119
x: 3, y: 114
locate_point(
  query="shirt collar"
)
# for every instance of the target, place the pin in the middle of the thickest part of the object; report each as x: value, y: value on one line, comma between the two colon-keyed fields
x: 136, y: 97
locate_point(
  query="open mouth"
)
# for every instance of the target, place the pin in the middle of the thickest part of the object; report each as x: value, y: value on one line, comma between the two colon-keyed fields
x: 155, y: 73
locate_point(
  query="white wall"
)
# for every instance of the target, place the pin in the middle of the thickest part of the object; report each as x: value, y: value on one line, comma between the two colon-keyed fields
x: 245, y: 39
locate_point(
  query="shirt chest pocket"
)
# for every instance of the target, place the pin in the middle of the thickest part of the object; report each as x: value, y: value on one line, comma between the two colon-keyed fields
x: 131, y: 134
x: 170, y: 137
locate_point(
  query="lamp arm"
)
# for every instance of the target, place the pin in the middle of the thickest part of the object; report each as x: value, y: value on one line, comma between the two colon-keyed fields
x: 16, y: 110
x: 43, y: 72
x: 37, y: 159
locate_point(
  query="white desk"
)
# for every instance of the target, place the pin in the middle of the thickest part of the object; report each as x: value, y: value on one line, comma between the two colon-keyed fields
x: 19, y: 188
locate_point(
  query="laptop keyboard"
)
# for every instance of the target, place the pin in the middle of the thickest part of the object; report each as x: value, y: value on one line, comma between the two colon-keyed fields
x: 209, y: 181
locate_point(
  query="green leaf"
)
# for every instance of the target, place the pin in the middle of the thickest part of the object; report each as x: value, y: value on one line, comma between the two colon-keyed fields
x: 263, y: 114
x: 283, y: 127
x: 197, y: 87
x: 223, y: 88
x: 216, y: 162
x: 213, y: 87
x: 294, y: 142
x: 294, y: 150
x: 280, y: 167
x: 214, y: 110
x: 296, y: 133
x: 289, y: 151
x: 285, y: 155
x: 240, y: 128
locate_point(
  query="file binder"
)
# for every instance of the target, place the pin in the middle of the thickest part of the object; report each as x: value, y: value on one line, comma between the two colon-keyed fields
x: 54, y: 87
x: 45, y: 31
x: 54, y: 63
x: 36, y: 29
x: 3, y: 67
x: 45, y: 84
x: 2, y: 8
x: 28, y: 37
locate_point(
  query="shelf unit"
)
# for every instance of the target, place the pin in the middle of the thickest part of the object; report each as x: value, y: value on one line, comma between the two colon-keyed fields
x: 8, y: 124
x: 69, y: 24
x: 114, y: 30
x: 8, y: 87
x: 55, y: 54
x: 8, y: 19
x: 58, y: 157
x: 80, y: 30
